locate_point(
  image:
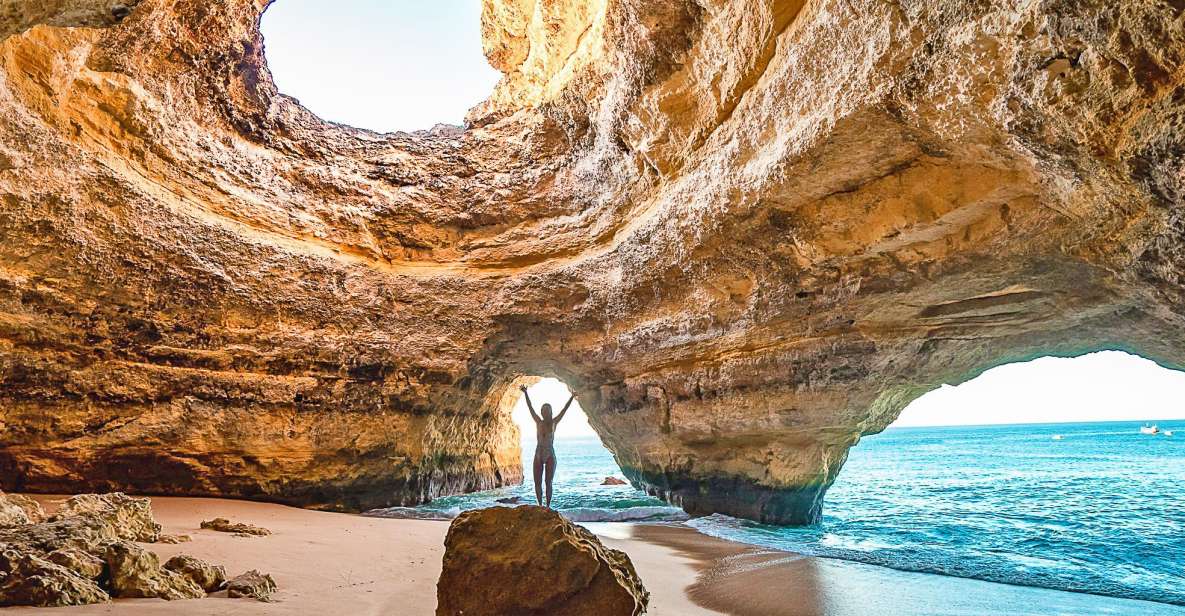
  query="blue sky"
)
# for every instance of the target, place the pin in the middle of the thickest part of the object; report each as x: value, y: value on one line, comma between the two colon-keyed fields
x: 384, y: 65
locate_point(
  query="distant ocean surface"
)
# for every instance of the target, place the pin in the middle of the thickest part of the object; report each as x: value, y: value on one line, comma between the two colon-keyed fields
x: 1100, y: 510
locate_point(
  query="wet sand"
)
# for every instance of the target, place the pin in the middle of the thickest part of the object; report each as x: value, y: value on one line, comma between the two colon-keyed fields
x: 330, y: 563
x: 746, y: 581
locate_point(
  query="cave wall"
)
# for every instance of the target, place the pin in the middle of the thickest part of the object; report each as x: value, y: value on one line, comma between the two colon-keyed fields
x: 746, y: 232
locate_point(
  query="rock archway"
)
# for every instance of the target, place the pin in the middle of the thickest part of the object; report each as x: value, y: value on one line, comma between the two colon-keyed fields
x: 747, y: 232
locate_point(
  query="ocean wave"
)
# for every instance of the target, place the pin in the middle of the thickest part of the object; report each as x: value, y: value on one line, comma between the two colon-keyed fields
x: 630, y: 514
x: 413, y: 513
x: 579, y: 514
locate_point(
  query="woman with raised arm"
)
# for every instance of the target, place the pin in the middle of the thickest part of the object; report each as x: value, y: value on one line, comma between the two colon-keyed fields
x: 544, y: 445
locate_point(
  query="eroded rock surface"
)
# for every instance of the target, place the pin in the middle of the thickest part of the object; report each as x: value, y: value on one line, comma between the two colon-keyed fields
x: 130, y: 516
x: 224, y: 525
x: 251, y: 585
x: 16, y: 509
x: 28, y: 579
x: 531, y: 561
x: 137, y: 573
x: 209, y: 577
x: 746, y: 232
x: 84, y: 555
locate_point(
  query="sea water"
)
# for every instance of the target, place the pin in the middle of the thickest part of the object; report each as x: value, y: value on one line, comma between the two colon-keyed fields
x: 1100, y: 510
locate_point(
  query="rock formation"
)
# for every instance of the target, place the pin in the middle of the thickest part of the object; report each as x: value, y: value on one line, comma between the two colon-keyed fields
x: 131, y: 517
x: 224, y: 525
x: 137, y: 573
x: 746, y: 232
x: 531, y: 561
x: 85, y: 554
x: 209, y: 578
x: 251, y: 585
x: 17, y: 509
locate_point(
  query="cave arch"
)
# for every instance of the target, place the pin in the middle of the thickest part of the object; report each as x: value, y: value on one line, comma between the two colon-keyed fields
x: 747, y: 244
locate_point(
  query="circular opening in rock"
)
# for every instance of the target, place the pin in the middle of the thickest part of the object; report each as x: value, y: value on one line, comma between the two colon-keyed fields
x: 382, y: 65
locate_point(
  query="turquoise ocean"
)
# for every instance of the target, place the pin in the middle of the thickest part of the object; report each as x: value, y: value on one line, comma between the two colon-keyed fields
x: 1086, y: 507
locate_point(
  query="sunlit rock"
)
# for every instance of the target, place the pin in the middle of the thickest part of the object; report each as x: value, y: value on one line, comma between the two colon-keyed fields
x: 532, y: 561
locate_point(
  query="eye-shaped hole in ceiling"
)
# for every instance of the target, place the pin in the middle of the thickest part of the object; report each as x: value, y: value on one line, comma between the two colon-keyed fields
x: 382, y: 65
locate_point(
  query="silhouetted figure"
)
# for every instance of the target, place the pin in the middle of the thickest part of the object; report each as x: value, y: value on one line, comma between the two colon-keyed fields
x: 545, y: 445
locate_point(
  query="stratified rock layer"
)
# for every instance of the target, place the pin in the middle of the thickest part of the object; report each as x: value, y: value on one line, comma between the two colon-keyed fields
x: 530, y: 561
x: 747, y: 232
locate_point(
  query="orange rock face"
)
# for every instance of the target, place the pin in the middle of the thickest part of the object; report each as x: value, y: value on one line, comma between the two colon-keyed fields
x: 746, y: 232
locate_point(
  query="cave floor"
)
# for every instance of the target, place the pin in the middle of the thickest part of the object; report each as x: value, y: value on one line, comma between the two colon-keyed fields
x: 330, y: 563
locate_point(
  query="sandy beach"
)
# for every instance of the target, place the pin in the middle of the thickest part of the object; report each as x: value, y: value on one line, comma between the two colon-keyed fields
x: 330, y: 563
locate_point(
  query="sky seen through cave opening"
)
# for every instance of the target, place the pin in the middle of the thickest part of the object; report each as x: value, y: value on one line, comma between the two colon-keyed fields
x: 382, y: 65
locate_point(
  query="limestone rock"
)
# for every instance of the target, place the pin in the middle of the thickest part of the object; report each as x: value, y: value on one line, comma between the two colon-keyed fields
x: 85, y: 533
x: 224, y: 525
x: 174, y: 539
x: 613, y: 481
x: 16, y: 509
x: 746, y: 232
x: 531, y: 561
x: 209, y: 577
x: 130, y: 516
x: 136, y: 573
x: 28, y: 579
x: 83, y: 563
x: 251, y: 585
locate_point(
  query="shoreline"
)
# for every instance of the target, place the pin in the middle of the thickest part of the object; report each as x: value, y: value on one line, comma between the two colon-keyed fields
x: 335, y: 563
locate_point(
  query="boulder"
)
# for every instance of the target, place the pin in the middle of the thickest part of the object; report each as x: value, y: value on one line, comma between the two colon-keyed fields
x: 224, y: 525
x: 251, y: 585
x: 27, y: 579
x: 209, y: 577
x: 83, y: 563
x: 613, y: 481
x: 530, y: 561
x: 85, y: 533
x: 130, y: 516
x: 136, y: 573
x: 17, y: 509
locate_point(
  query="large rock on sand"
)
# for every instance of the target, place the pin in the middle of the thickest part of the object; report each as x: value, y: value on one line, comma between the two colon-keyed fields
x: 130, y: 516
x: 136, y: 573
x: 251, y: 585
x: 28, y: 579
x: 210, y: 577
x: 530, y: 561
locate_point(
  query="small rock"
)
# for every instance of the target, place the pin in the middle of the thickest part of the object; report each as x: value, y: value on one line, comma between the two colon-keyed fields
x: 251, y: 584
x: 531, y: 560
x: 174, y: 539
x: 136, y: 573
x: 131, y: 517
x: 510, y: 500
x: 83, y: 563
x: 613, y: 481
x: 27, y: 579
x: 224, y: 525
x: 210, y: 577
